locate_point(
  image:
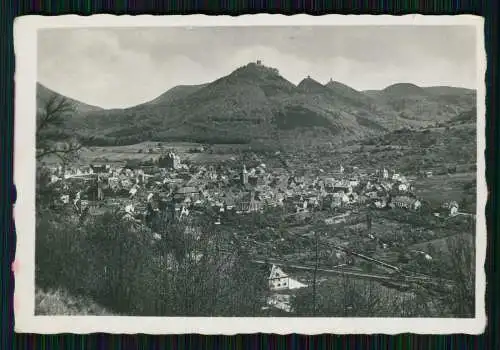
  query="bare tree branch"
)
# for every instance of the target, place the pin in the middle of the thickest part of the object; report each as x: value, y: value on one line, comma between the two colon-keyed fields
x: 53, y: 113
x: 50, y: 139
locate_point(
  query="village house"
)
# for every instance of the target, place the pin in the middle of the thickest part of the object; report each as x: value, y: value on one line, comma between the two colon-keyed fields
x: 362, y: 199
x: 230, y: 201
x: 280, y: 301
x: 342, y: 186
x: 405, y: 202
x: 100, y: 168
x: 337, y: 219
x: 54, y: 178
x: 367, y: 186
x: 279, y: 280
x: 253, y: 180
x: 298, y: 179
x: 330, y: 202
x: 313, y: 201
x: 65, y: 198
x: 344, y: 197
x: 451, y: 208
x: 249, y: 203
x: 385, y: 186
x: 114, y: 183
x: 186, y: 192
x: 383, y: 173
x: 289, y: 204
x: 395, y: 177
x: 402, y: 187
x: 380, y: 203
x: 353, y: 182
x: 129, y: 212
x: 171, y: 160
x: 353, y: 197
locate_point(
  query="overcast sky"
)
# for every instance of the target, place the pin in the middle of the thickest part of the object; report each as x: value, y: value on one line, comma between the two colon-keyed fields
x: 121, y: 67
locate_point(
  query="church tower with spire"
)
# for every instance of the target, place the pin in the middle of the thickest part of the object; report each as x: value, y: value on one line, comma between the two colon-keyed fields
x: 244, y: 175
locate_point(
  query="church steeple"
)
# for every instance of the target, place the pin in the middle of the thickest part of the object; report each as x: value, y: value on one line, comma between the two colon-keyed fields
x: 244, y: 175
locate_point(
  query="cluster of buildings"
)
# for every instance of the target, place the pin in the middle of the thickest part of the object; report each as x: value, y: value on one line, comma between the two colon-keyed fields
x: 329, y: 191
x: 228, y: 188
x: 172, y: 190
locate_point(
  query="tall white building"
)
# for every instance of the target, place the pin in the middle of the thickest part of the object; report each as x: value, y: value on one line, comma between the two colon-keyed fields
x: 386, y: 173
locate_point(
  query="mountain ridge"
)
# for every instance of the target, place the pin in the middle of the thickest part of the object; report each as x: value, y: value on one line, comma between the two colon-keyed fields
x: 174, y: 94
x: 43, y: 93
x: 256, y: 103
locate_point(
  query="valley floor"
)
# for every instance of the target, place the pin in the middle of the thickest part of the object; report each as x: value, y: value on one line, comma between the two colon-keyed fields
x: 412, y: 240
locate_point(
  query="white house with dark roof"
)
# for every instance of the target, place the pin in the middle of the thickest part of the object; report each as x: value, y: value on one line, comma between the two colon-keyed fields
x: 279, y: 280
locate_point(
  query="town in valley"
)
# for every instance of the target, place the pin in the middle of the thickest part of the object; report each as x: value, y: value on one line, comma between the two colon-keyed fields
x: 254, y: 196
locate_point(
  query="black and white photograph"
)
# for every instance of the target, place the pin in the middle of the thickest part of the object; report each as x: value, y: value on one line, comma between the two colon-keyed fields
x: 260, y: 173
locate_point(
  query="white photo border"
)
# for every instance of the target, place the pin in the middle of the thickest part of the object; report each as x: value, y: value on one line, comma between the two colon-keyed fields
x: 25, y: 43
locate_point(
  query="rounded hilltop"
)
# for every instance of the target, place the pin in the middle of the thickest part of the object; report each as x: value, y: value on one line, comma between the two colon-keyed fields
x: 255, y: 68
x: 256, y: 74
x: 404, y: 89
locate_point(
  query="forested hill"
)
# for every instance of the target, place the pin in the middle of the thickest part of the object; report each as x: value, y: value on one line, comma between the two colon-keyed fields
x: 256, y: 104
x: 44, y: 94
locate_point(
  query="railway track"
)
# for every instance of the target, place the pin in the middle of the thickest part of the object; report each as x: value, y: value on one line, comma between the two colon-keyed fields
x: 398, y: 275
x: 340, y: 270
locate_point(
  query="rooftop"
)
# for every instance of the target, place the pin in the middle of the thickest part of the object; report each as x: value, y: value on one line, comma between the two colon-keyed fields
x: 185, y: 190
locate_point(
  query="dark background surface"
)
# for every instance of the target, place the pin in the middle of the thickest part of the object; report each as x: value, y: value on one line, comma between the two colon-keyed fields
x: 10, y: 9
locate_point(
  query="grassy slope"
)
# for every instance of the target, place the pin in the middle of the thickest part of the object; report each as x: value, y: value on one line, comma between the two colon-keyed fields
x: 446, y: 188
x: 411, y: 150
x: 174, y: 94
x: 44, y: 93
x: 425, y: 105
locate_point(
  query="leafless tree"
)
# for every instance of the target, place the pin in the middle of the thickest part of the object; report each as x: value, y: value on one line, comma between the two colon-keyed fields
x: 315, y: 275
x: 461, y: 269
x: 50, y: 136
x: 205, y: 275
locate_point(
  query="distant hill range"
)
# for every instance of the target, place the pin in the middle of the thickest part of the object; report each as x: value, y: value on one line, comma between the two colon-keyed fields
x: 43, y: 94
x: 425, y: 104
x: 256, y: 104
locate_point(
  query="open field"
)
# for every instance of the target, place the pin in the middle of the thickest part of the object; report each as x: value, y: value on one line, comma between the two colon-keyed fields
x: 146, y: 151
x: 440, y: 244
x: 441, y: 188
